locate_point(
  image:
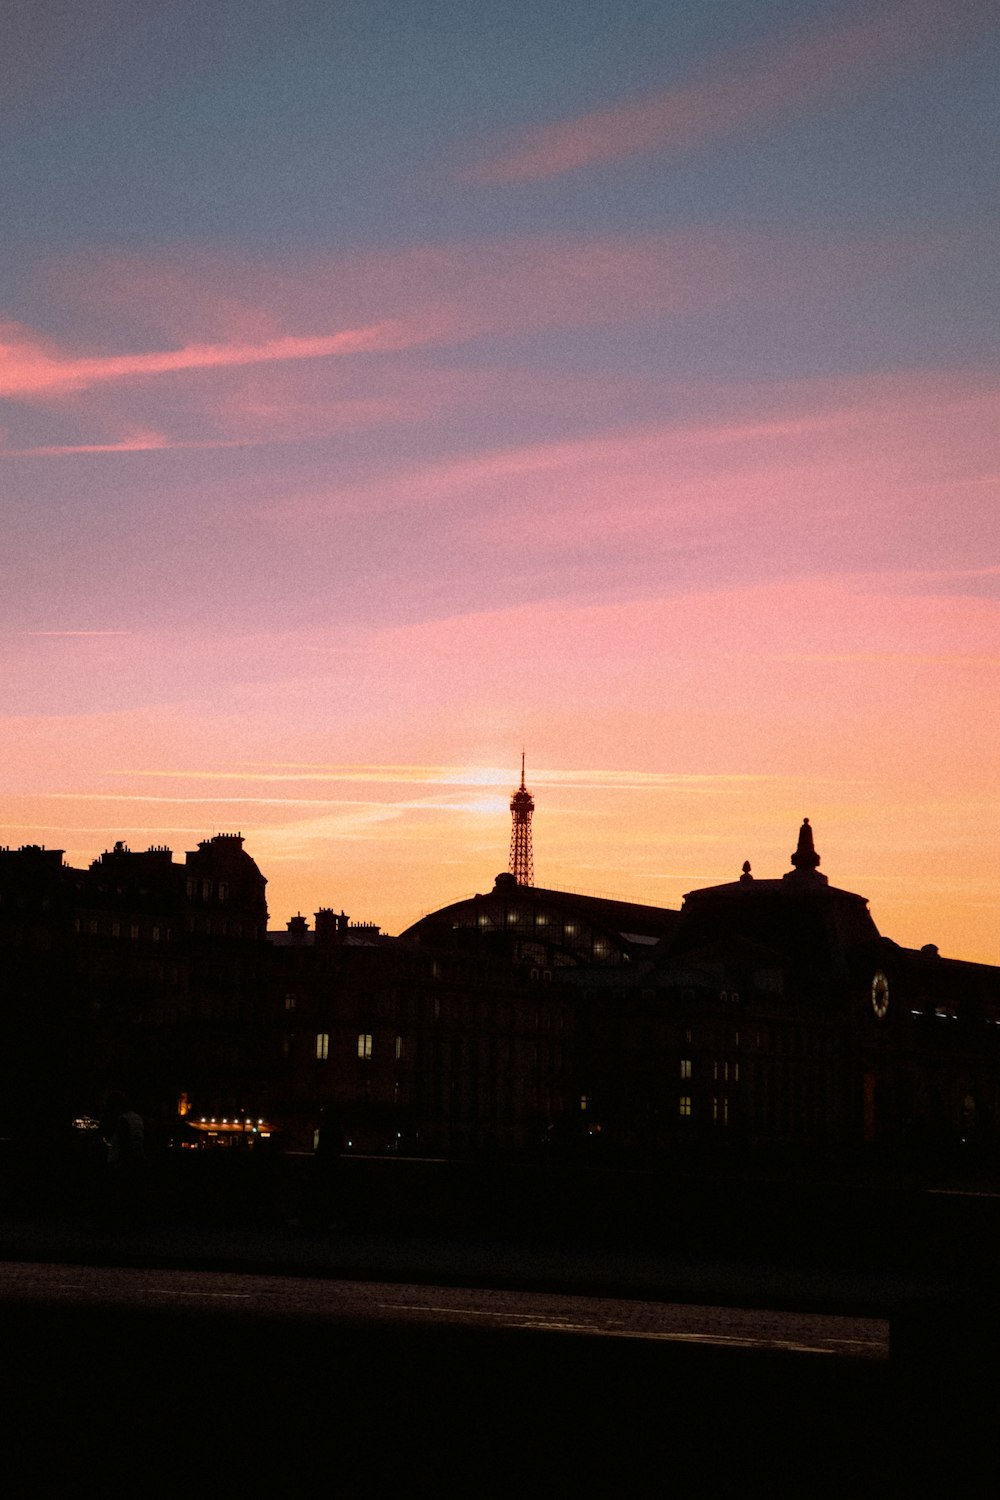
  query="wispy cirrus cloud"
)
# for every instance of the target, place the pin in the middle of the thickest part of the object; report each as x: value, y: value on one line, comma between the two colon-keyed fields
x: 746, y: 88
x: 246, y: 370
x: 30, y: 368
x: 436, y: 776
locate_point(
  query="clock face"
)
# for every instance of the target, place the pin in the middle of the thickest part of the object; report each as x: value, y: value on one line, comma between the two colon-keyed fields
x: 880, y: 995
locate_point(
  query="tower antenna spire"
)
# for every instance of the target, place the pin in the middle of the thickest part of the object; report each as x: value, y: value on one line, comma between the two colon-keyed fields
x: 522, y: 805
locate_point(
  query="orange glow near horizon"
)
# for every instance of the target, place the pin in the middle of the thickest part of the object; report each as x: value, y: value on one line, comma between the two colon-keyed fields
x: 739, y: 714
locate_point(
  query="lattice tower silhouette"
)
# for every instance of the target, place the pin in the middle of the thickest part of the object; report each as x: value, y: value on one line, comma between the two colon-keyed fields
x: 522, y: 805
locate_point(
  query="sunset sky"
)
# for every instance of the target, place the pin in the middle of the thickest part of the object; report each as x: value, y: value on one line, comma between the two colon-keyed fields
x: 389, y: 385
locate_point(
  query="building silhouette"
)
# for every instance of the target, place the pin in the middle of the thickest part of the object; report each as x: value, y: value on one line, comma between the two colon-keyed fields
x: 766, y: 1019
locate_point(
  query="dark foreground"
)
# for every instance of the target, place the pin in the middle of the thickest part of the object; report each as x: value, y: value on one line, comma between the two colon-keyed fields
x: 218, y: 1392
x: 203, y: 1394
x: 206, y: 1401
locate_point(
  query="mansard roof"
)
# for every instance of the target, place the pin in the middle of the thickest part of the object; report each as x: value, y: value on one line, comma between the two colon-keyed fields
x: 586, y: 929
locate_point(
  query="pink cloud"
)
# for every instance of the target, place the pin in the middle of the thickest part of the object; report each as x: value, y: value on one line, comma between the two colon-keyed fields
x: 248, y: 365
x: 858, y: 444
x: 748, y: 88
x: 28, y: 368
x: 137, y: 442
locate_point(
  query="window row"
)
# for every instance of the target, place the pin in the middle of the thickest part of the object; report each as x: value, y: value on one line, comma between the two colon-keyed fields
x: 364, y: 1046
x: 723, y: 1070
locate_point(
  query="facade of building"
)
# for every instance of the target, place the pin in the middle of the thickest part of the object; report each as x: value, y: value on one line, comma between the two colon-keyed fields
x: 777, y: 1017
x: 137, y: 972
x: 765, y: 1016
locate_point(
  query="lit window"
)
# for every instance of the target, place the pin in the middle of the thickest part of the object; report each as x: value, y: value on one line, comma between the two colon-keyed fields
x: 584, y: 1101
x: 322, y: 1045
x: 364, y: 1044
x: 400, y: 1048
x: 736, y: 1072
x: 289, y: 1002
x: 685, y: 1067
x: 684, y: 1106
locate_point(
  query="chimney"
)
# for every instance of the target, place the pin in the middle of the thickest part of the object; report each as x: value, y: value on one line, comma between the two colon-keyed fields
x: 297, y: 928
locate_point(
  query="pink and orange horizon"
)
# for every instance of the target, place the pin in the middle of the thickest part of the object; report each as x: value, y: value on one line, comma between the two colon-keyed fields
x: 383, y: 389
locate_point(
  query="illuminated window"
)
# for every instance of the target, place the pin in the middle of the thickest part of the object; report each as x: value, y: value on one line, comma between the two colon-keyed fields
x: 684, y: 1106
x: 400, y: 1048
x: 736, y: 1072
x: 322, y: 1045
x: 365, y: 1044
x: 685, y: 1067
x: 584, y: 1101
x: 289, y: 1002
